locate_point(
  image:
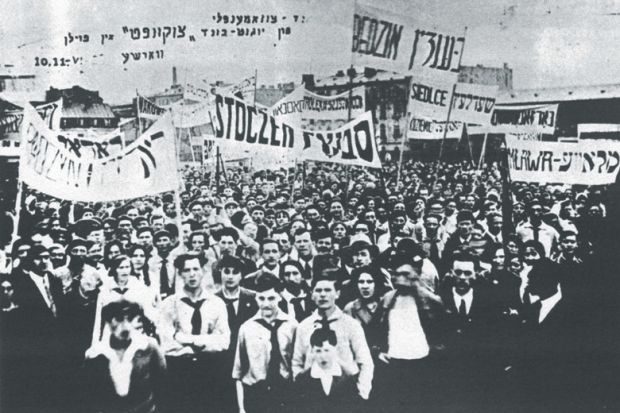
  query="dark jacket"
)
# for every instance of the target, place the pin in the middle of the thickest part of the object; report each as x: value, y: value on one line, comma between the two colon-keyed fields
x: 310, y: 397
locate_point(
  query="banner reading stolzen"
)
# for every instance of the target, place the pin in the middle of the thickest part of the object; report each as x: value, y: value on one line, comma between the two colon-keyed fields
x: 146, y: 167
x: 593, y: 163
x: 351, y: 144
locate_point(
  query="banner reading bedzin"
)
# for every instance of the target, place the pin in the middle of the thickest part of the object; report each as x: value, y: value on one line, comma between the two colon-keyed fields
x: 352, y: 144
x: 390, y: 41
x: 593, y: 163
x: 146, y: 167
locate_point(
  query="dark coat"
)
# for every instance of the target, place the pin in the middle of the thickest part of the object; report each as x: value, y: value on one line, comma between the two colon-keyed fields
x: 246, y: 309
x: 310, y: 397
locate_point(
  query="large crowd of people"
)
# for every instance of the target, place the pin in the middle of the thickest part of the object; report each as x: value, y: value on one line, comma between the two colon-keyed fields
x: 339, y: 289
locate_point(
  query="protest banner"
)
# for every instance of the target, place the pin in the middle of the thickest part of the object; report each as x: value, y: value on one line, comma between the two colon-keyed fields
x: 147, y: 109
x: 305, y: 109
x: 197, y: 93
x: 145, y: 167
x: 429, y: 129
x: 594, y: 163
x: 527, y: 119
x: 11, y: 121
x: 598, y: 131
x: 473, y: 103
x: 244, y: 90
x: 353, y: 144
x: 385, y: 40
x: 93, y: 146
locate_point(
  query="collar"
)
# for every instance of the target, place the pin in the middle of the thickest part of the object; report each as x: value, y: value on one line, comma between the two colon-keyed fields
x: 335, y: 315
x: 316, y: 372
x: 288, y: 296
x: 204, y: 295
x: 102, y: 348
x: 548, y: 304
x: 231, y: 297
x: 280, y: 316
x: 468, y: 297
x: 38, y: 279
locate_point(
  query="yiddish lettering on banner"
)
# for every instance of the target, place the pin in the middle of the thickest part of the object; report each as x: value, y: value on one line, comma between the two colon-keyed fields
x: 146, y: 167
x: 353, y: 143
x: 473, y: 103
x: 429, y: 129
x: 389, y: 41
x: 593, y: 163
x: 524, y: 119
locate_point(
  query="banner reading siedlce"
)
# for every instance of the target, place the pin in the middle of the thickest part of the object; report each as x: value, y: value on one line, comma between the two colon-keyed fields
x: 351, y: 144
x: 593, y: 163
x: 146, y: 167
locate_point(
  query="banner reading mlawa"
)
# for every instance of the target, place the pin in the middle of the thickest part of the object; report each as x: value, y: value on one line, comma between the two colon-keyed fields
x: 593, y: 163
x: 353, y: 143
x: 146, y: 167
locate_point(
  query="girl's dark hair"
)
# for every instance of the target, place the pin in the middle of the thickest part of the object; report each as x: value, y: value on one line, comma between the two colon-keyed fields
x: 115, y: 263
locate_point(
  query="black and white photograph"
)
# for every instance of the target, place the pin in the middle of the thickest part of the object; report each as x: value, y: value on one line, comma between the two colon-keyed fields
x: 309, y: 206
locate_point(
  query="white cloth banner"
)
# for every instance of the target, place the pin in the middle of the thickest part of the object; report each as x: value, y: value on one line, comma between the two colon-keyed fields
x: 528, y: 119
x: 396, y: 42
x: 305, y: 109
x: 352, y: 144
x: 591, y: 162
x: 473, y: 103
x: 429, y: 129
x: 146, y: 167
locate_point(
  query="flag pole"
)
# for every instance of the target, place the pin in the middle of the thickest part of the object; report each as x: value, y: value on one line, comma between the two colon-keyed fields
x: 483, y: 150
x: 255, y: 85
x: 445, y: 129
x: 402, y: 145
x: 18, y: 210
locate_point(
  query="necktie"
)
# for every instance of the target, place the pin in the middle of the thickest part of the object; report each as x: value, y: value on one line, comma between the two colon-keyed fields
x: 163, y: 278
x: 298, y: 308
x: 230, y: 308
x: 536, y: 233
x: 196, y: 317
x: 275, y: 358
x: 120, y: 290
x: 463, y: 308
x: 48, y: 293
x: 434, y: 251
x: 526, y: 297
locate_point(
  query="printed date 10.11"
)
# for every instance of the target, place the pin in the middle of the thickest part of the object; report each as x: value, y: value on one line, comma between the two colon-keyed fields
x: 57, y: 61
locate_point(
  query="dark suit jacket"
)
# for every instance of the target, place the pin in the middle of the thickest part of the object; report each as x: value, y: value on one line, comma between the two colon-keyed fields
x: 343, y: 396
x: 247, y: 309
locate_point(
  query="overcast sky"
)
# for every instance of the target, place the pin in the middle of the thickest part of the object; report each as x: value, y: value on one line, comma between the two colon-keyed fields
x: 547, y: 43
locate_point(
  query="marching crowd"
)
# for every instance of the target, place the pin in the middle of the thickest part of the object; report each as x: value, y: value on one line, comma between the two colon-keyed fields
x: 343, y: 291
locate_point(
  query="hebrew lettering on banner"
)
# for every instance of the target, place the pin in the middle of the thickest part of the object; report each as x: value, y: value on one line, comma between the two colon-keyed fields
x: 588, y: 162
x: 429, y: 129
x: 473, y: 103
x: 352, y: 144
x: 146, y: 167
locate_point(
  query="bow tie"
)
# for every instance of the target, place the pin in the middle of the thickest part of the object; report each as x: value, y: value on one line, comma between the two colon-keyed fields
x: 119, y: 290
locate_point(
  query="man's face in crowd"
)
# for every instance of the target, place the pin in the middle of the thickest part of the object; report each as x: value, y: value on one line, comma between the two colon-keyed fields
x: 55, y: 225
x: 518, y: 210
x: 42, y: 262
x: 405, y: 276
x: 198, y: 243
x: 371, y: 217
x: 79, y: 251
x: 124, y: 225
x: 361, y: 258
x: 464, y: 274
x: 57, y: 256
x: 231, y: 277
x: 108, y: 231
x: 361, y: 228
x: 228, y: 192
x: 366, y: 285
x: 88, y: 215
x: 163, y: 244
x: 492, y: 209
x: 122, y: 328
x: 436, y: 208
x: 470, y: 201
x: 398, y: 223
x: 336, y: 210
x: 325, y: 294
x: 228, y: 246
x: 192, y: 274
x: 381, y: 214
x: 312, y: 214
x: 569, y: 244
x: 303, y: 244
x: 250, y: 204
x: 267, y: 302
x: 324, y: 245
x: 270, y: 219
x: 158, y: 224
x: 285, y: 243
x: 458, y: 188
x: 132, y: 213
x: 495, y: 226
x: 251, y: 230
x: 292, y: 278
x: 536, y: 212
x: 258, y: 216
x: 96, y: 236
x: 184, y: 198
x: 271, y: 254
x: 431, y: 224
x: 145, y: 239
x: 299, y: 204
x: 465, y: 227
x: 197, y: 210
x: 95, y: 253
x: 595, y: 211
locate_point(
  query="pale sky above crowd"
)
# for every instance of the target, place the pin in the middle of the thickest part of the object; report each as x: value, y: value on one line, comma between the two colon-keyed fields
x: 547, y: 43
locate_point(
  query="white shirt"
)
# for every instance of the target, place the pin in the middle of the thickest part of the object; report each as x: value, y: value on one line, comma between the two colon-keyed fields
x: 468, y: 298
x: 42, y: 284
x: 326, y: 376
x: 406, y: 337
x: 524, y: 280
x: 547, y: 305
